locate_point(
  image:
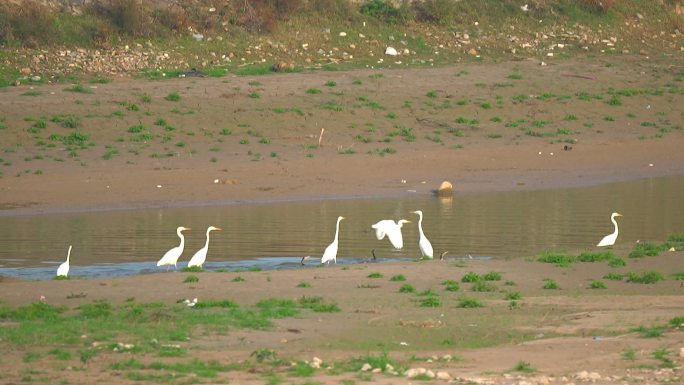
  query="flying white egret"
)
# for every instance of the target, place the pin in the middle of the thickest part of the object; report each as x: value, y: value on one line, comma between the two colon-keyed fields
x: 171, y: 256
x: 63, y: 269
x: 201, y: 254
x: 423, y: 242
x: 392, y: 230
x: 610, y: 239
x: 330, y: 253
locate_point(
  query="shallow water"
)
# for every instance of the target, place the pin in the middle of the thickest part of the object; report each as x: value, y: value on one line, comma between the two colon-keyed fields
x: 277, y: 235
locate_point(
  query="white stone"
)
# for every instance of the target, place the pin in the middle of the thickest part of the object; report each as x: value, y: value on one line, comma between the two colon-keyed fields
x: 443, y: 376
x: 343, y: 34
x: 391, y: 51
x: 366, y: 367
x: 413, y: 372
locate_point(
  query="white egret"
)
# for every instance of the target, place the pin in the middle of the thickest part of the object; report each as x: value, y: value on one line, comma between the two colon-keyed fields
x: 171, y: 256
x: 392, y: 230
x: 423, y: 242
x: 610, y: 239
x: 201, y: 254
x: 63, y: 269
x: 330, y: 253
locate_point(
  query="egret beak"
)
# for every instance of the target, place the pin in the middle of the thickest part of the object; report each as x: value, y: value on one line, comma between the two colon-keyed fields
x: 218, y: 229
x: 618, y: 215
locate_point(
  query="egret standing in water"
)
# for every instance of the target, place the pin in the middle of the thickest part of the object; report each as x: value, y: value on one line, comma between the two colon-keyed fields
x: 392, y: 230
x: 201, y: 254
x: 423, y: 242
x: 63, y: 269
x: 330, y: 253
x: 171, y: 256
x: 609, y: 240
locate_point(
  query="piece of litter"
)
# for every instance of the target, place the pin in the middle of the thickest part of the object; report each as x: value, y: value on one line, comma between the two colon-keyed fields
x: 403, y: 181
x: 650, y: 165
x: 402, y: 343
x: 159, y: 186
x: 216, y: 181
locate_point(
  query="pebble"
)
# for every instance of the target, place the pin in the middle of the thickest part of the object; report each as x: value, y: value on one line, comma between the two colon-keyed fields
x: 366, y: 367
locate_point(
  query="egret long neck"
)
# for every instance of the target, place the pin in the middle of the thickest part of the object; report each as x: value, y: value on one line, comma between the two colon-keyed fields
x: 615, y: 224
x: 337, y: 230
x: 68, y: 253
x: 206, y: 245
x: 420, y: 225
x: 182, y: 238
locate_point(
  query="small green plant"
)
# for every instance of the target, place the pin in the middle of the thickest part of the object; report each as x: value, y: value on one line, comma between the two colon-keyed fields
x: 492, y: 276
x: 79, y: 88
x: 407, y: 288
x: 614, y: 276
x: 512, y: 296
x: 431, y: 301
x: 451, y: 285
x: 398, y: 278
x: 615, y: 101
x: 314, y: 91
x: 191, y: 279
x: 597, y: 285
x: 550, y: 284
x: 647, y: 277
x: 238, y: 279
x: 617, y: 262
x: 304, y: 285
x: 645, y: 249
x: 483, y: 286
x: 523, y: 366
x: 431, y: 94
x: 650, y: 332
x: 629, y: 354
x: 60, y: 354
x: 469, y: 302
x: 173, y: 97
x: 254, y: 95
x: 375, y: 275
x: 471, y: 277
x: 515, y: 76
x: 262, y: 355
x: 330, y: 83
x: 677, y: 322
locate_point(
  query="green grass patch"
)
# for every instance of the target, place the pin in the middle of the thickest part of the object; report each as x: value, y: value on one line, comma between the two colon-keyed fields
x: 407, y: 288
x: 645, y: 249
x: 471, y: 277
x: 647, y: 277
x: 79, y: 88
x: 191, y: 279
x: 173, y: 97
x: 398, y: 278
x: 550, y: 284
x: 614, y: 276
x: 469, y: 302
x: 597, y: 285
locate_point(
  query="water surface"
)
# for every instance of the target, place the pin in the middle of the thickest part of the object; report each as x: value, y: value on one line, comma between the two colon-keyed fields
x: 277, y: 235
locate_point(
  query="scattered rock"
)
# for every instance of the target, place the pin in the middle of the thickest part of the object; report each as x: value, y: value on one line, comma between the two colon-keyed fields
x: 25, y: 71
x: 473, y: 52
x: 414, y: 372
x: 366, y: 367
x: 391, y: 51
x: 282, y: 66
x: 444, y: 376
x: 445, y: 189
